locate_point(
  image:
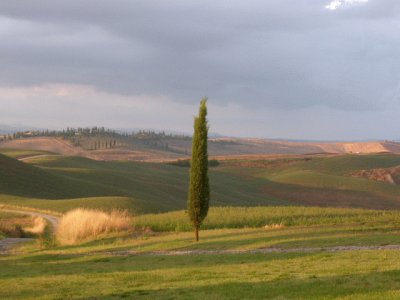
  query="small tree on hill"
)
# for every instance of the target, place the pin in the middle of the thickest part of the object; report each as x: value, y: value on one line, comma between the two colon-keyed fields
x: 199, y: 188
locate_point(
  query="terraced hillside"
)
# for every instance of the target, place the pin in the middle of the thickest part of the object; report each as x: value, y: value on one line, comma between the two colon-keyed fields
x: 61, y: 183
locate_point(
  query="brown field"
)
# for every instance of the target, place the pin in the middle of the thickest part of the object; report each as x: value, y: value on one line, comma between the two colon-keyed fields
x: 49, y: 144
x: 63, y: 147
x: 219, y: 148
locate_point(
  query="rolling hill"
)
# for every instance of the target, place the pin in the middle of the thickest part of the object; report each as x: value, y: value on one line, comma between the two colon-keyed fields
x: 60, y: 183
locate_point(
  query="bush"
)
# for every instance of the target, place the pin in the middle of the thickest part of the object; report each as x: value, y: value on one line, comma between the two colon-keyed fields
x: 213, y: 163
x: 181, y: 163
x: 85, y: 224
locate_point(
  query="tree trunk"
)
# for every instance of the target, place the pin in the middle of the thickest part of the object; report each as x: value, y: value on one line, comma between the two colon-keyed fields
x: 197, y: 233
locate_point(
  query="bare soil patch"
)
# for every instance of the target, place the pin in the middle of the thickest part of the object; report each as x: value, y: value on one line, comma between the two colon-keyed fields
x: 389, y: 175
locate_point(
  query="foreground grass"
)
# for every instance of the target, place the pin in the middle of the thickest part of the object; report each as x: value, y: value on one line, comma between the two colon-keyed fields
x: 241, y: 217
x: 124, y: 265
x: 346, y: 275
x: 69, y: 272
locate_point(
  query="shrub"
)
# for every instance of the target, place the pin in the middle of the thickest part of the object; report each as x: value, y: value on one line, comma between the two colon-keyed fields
x: 85, y: 224
x: 213, y: 163
x: 181, y: 163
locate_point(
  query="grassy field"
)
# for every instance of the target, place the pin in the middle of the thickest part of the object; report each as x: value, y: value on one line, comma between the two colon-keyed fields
x: 344, y: 275
x: 256, y: 217
x: 21, y: 153
x: 124, y: 264
x: 60, y: 183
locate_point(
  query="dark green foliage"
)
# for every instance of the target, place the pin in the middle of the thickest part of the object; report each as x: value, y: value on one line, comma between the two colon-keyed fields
x: 213, y: 163
x: 199, y: 188
x: 181, y: 163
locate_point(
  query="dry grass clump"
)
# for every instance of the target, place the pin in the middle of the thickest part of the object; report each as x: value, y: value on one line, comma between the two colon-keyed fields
x: 274, y: 226
x: 38, y: 226
x: 86, y: 224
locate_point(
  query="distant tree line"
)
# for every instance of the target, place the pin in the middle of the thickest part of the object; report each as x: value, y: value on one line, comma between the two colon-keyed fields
x: 96, y: 131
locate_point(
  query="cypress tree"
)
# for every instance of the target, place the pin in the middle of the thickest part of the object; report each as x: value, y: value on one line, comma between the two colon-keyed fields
x: 199, y: 188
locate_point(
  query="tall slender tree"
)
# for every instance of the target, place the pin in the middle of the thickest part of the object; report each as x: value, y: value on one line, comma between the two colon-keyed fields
x: 199, y: 187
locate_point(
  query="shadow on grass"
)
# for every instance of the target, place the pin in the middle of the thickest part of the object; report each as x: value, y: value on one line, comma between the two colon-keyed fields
x: 37, y: 265
x: 381, y: 285
x: 281, y: 238
x: 257, y: 238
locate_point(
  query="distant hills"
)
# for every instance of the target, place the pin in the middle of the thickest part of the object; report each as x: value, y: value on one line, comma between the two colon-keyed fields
x: 173, y: 148
x: 142, y: 145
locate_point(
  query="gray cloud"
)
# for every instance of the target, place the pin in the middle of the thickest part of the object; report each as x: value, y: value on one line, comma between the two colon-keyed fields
x: 279, y: 54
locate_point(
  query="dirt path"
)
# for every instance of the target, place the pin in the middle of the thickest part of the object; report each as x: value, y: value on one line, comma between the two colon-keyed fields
x: 253, y: 251
x: 52, y: 219
x: 8, y: 243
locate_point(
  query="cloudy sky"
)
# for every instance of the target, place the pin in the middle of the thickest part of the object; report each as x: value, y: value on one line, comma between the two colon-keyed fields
x: 302, y: 69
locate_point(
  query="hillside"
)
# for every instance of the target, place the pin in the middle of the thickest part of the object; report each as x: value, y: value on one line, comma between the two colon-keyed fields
x: 389, y: 175
x: 65, y: 147
x: 142, y: 187
x: 25, y: 180
x: 166, y: 148
x: 60, y: 183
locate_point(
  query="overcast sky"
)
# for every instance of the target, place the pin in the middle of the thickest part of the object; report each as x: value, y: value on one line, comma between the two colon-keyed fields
x: 303, y: 69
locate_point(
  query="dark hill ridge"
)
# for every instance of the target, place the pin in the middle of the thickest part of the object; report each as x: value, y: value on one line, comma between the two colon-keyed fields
x: 21, y: 179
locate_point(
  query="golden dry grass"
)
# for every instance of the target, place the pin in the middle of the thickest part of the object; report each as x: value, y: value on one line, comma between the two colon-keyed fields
x: 86, y: 224
x: 274, y: 226
x: 38, y: 226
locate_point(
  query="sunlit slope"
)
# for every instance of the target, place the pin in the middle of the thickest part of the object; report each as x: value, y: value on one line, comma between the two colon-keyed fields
x: 158, y: 187
x: 327, y: 181
x: 151, y: 187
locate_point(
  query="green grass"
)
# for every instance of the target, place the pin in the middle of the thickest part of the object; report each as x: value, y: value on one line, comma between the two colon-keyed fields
x: 157, y: 187
x: 64, y: 205
x: 96, y: 270
x: 255, y: 217
x: 19, y: 153
x: 346, y: 275
x: 149, y: 187
x: 91, y: 271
